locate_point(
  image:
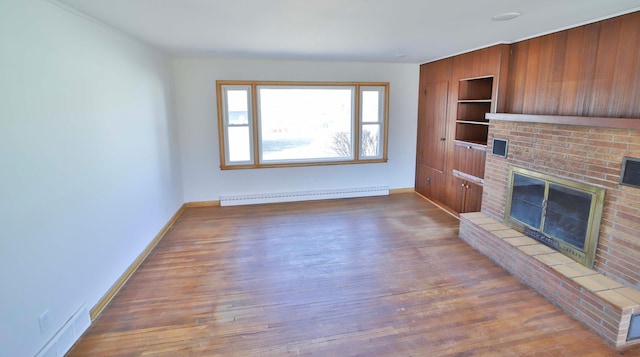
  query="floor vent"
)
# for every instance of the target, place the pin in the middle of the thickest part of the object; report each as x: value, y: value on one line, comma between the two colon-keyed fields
x: 67, y: 336
x: 237, y: 200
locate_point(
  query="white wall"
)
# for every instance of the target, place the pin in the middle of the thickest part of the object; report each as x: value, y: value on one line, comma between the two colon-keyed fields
x: 89, y: 169
x: 195, y: 81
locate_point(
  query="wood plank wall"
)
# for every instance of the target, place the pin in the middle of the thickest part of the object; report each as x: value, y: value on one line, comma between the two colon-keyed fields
x: 591, y: 70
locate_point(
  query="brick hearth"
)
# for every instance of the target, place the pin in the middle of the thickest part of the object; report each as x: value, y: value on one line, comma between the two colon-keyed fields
x: 599, y: 302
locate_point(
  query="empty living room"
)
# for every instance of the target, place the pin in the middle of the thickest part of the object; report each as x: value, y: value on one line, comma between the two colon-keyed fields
x: 324, y: 178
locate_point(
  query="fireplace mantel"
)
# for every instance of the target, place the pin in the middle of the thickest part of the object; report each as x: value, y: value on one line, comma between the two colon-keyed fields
x: 602, y: 122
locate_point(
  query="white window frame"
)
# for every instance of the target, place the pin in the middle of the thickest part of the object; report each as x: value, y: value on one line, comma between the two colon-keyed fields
x: 357, y: 125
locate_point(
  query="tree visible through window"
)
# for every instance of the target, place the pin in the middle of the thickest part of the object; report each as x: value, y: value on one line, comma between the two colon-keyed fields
x: 288, y: 124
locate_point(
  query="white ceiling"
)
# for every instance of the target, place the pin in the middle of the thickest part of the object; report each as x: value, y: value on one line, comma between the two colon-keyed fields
x: 414, y: 31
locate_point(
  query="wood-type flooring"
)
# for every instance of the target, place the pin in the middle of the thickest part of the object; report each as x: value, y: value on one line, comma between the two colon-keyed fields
x: 375, y: 276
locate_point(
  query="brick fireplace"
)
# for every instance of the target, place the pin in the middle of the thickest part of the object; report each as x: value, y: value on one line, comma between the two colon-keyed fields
x: 606, y: 297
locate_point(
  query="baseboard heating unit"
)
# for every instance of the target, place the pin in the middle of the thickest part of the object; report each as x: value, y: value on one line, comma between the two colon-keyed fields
x: 237, y: 200
x: 67, y: 335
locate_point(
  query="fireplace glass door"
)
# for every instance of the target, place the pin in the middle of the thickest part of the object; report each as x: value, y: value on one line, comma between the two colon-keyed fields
x: 527, y: 200
x: 567, y: 214
x: 563, y: 214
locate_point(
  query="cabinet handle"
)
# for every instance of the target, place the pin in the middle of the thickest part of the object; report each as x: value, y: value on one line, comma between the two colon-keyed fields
x: 443, y: 139
x: 466, y: 186
x: 469, y: 147
x: 462, y: 185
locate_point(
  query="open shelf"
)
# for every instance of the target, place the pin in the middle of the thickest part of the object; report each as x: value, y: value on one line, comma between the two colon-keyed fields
x: 474, y: 89
x: 472, y: 133
x: 474, y: 102
x: 473, y: 111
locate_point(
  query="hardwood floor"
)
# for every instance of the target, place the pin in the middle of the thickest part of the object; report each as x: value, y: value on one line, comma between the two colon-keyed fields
x: 379, y: 276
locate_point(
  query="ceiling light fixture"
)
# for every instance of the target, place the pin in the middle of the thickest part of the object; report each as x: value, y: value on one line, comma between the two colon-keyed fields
x: 505, y: 16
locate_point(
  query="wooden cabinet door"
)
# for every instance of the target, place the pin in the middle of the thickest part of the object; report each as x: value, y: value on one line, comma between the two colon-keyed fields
x: 455, y: 194
x: 472, y: 197
x: 463, y: 196
x: 431, y: 183
x: 469, y: 159
x: 432, y: 125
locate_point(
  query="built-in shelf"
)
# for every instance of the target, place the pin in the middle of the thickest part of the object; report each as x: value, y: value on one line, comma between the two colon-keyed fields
x: 474, y: 101
x: 473, y: 132
x: 476, y: 145
x: 468, y: 177
x: 602, y: 122
x: 472, y: 122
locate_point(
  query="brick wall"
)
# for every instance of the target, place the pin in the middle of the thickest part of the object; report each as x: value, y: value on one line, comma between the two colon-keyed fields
x: 586, y: 154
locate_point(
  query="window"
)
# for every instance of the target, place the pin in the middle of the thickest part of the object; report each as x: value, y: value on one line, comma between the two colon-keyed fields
x: 271, y: 124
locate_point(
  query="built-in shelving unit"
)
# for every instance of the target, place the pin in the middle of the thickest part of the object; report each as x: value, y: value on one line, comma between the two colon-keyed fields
x: 474, y: 101
x: 456, y: 93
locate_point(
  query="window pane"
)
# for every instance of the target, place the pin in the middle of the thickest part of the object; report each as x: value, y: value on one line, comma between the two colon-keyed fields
x: 239, y: 143
x: 370, y: 141
x: 305, y: 123
x: 237, y: 107
x: 370, y: 106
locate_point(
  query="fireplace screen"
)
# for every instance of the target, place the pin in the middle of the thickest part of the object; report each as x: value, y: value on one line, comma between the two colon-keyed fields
x: 563, y: 214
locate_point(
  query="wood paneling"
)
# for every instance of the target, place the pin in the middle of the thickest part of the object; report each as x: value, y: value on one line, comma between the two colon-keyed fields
x: 378, y: 276
x: 433, y: 132
x: 432, y: 125
x: 491, y: 61
x: 592, y: 70
x: 438, y: 71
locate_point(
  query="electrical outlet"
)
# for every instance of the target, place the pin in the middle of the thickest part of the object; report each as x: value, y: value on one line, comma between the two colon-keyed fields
x: 45, y: 324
